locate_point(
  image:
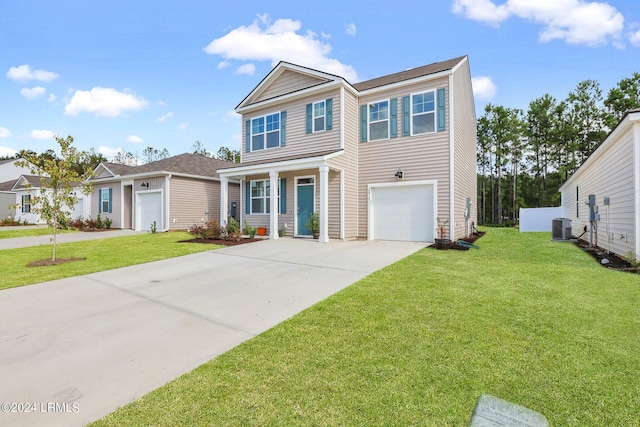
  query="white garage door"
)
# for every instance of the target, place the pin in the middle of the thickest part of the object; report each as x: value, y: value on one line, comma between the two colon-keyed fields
x: 403, y: 212
x: 78, y: 209
x: 149, y: 210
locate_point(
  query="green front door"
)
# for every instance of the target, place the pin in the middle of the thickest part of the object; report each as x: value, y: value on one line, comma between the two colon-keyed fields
x: 305, y: 194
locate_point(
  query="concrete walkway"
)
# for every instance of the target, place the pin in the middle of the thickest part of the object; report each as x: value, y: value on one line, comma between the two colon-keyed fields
x: 23, y: 242
x: 79, y: 348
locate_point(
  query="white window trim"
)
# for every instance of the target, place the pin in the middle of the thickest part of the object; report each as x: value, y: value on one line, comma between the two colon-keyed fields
x: 27, y: 203
x: 264, y: 116
x: 435, y: 112
x: 388, y: 120
x: 101, y: 201
x: 266, y: 199
x: 313, y: 116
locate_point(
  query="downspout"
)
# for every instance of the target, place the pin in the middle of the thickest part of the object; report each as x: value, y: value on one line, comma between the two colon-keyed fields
x: 452, y: 208
x: 168, y: 202
x: 636, y: 170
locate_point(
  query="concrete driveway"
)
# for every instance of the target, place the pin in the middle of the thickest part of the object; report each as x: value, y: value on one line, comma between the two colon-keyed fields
x: 73, y: 350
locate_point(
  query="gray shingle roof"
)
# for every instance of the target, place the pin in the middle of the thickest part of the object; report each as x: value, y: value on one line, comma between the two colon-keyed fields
x: 7, y: 185
x: 413, y: 73
x: 191, y: 164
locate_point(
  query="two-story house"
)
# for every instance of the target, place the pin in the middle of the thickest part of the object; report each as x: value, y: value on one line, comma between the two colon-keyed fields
x: 380, y: 159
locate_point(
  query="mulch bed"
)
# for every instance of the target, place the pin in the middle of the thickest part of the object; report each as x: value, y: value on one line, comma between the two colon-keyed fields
x: 47, y: 262
x: 221, y: 242
x: 615, y: 262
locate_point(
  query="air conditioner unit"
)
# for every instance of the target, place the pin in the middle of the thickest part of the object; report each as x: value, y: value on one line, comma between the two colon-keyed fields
x: 561, y: 229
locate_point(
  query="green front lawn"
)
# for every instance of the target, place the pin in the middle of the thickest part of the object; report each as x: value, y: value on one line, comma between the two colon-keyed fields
x: 28, y: 232
x: 102, y: 254
x: 525, y: 319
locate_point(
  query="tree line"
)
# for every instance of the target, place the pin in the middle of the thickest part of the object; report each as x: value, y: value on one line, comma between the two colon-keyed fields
x: 523, y: 157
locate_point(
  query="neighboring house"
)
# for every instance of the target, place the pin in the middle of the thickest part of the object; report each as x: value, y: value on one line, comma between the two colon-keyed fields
x: 9, y: 173
x: 380, y: 159
x: 175, y: 193
x: 25, y: 188
x: 612, y: 175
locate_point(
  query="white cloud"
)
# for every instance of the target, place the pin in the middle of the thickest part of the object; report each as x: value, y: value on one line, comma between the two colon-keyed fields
x: 42, y: 134
x: 230, y: 116
x: 33, y: 93
x: 248, y: 69
x: 350, y: 29
x: 24, y: 73
x: 7, y: 152
x: 105, y: 102
x: 4, y: 132
x: 183, y: 126
x: 483, y: 87
x: 634, y: 38
x: 282, y: 40
x: 164, y: 117
x: 135, y: 139
x: 52, y: 98
x: 108, y: 152
x: 574, y: 21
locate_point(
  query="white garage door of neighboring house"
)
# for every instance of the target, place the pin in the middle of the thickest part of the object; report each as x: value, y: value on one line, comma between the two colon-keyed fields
x: 78, y: 209
x: 149, y: 206
x: 402, y: 212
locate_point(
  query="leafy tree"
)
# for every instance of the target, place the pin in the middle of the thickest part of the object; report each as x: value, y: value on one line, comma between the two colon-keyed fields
x: 229, y: 155
x: 151, y: 154
x: 542, y: 133
x: 622, y: 98
x: 126, y: 158
x: 199, y: 149
x: 59, y: 182
x: 586, y: 118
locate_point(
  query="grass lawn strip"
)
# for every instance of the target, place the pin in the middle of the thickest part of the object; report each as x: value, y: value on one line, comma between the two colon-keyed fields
x: 528, y: 320
x: 101, y: 254
x: 28, y: 232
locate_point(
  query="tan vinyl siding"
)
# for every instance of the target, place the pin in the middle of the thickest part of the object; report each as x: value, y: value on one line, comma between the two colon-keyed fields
x: 115, y: 203
x: 194, y: 201
x: 464, y: 147
x: 612, y: 175
x: 348, y: 164
x: 288, y: 82
x: 420, y: 157
x: 297, y: 140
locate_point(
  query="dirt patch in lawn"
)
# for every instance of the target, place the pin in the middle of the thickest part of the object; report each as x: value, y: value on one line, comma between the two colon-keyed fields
x: 607, y: 260
x: 221, y: 241
x: 46, y: 262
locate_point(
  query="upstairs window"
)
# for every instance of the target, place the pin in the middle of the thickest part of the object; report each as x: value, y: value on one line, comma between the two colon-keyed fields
x: 26, y: 203
x: 265, y: 132
x: 318, y: 116
x: 423, y: 113
x: 378, y: 120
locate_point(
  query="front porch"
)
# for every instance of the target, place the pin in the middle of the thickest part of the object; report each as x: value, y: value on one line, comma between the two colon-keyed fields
x: 303, y: 186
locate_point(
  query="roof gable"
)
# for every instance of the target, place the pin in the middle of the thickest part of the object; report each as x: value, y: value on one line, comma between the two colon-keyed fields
x: 28, y: 181
x: 286, y: 79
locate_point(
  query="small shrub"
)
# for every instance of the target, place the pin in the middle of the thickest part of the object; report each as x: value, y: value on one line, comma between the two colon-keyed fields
x: 77, y: 223
x: 153, y: 229
x: 198, y: 230
x: 632, y: 259
x: 232, y: 231
x: 99, y: 222
x: 251, y: 231
x: 107, y: 223
x: 9, y: 221
x: 214, y: 230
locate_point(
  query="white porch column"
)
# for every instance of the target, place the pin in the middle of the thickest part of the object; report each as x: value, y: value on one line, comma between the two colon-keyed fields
x: 273, y: 200
x: 224, y: 199
x: 324, y: 204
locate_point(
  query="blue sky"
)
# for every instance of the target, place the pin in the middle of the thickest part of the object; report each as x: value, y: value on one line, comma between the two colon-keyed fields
x: 125, y: 75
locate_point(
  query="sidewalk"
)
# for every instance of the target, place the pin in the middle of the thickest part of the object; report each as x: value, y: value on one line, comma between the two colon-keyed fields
x: 23, y: 242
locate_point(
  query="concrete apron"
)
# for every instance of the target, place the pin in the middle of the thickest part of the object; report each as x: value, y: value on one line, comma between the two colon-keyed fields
x: 76, y: 349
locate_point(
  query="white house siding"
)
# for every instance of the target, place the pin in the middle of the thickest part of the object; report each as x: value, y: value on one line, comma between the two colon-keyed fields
x: 464, y: 149
x: 608, y: 173
x: 29, y: 217
x: 288, y: 82
x: 7, y: 200
x: 421, y: 157
x: 298, y: 142
x: 9, y: 171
